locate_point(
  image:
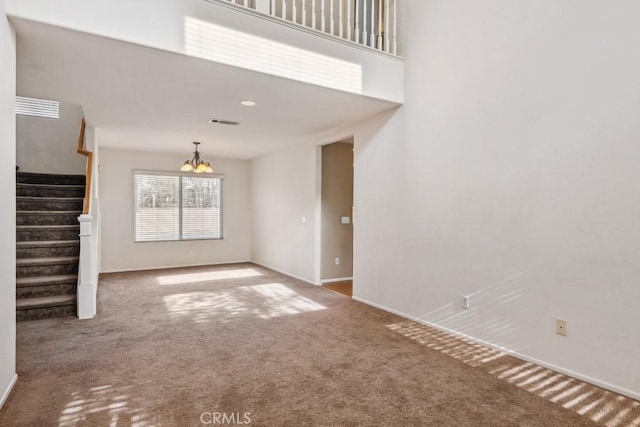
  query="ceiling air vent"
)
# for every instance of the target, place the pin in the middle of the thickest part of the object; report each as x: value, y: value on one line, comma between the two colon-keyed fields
x: 224, y: 122
x: 37, y: 107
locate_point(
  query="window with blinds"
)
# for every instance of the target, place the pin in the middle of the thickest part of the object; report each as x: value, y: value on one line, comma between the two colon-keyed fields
x: 177, y: 207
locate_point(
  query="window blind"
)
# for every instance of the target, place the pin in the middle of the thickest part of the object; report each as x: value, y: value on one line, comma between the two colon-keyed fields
x: 176, y: 207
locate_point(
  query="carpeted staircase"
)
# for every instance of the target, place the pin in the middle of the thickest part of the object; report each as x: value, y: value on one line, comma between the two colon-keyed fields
x: 47, y: 244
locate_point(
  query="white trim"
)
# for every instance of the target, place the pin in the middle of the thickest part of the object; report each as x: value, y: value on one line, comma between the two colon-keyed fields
x: 7, y: 392
x: 165, y: 267
x: 586, y: 378
x: 284, y: 272
x: 317, y: 231
x: 306, y: 29
x: 178, y: 173
x: 337, y: 279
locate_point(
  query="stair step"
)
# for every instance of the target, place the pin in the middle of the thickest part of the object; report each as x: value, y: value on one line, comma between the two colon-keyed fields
x: 48, y: 190
x: 46, y: 290
x: 42, y: 286
x: 46, y: 261
x: 52, y: 301
x: 45, y: 307
x: 44, y: 178
x: 47, y: 249
x: 47, y: 232
x: 62, y: 279
x: 25, y: 203
x: 31, y: 267
x: 47, y: 217
x: 48, y: 243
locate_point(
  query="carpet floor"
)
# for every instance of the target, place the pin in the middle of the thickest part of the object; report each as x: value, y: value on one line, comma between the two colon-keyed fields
x: 240, y: 344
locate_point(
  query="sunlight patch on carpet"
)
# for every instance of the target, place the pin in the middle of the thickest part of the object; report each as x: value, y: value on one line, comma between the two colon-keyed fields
x: 103, y: 405
x: 204, y: 306
x: 264, y: 301
x: 601, y: 406
x: 279, y: 300
x: 179, y: 279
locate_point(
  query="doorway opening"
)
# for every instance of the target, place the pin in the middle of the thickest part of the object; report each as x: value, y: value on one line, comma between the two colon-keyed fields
x: 336, y: 217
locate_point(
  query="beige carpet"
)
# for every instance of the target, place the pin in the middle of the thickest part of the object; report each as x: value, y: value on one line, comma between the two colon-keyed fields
x: 178, y: 347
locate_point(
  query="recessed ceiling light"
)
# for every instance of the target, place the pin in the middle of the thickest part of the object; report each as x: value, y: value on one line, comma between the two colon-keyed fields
x: 248, y: 103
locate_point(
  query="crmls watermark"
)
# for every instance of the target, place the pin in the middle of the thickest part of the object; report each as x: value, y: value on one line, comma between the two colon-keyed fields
x: 225, y: 418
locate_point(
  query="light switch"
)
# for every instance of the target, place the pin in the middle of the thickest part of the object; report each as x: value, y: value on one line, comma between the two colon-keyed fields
x: 346, y: 220
x: 303, y: 220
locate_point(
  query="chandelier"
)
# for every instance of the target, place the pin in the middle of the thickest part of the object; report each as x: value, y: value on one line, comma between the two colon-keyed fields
x: 196, y: 164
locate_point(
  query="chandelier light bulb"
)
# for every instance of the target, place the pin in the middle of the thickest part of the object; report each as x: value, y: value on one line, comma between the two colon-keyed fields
x: 196, y: 164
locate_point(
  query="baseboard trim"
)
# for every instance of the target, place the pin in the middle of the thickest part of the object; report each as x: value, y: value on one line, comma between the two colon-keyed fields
x: 302, y: 279
x: 338, y: 279
x: 577, y: 375
x: 7, y: 392
x: 166, y: 267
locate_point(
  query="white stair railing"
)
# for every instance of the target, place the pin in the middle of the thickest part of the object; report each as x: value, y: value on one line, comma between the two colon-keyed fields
x: 374, y: 22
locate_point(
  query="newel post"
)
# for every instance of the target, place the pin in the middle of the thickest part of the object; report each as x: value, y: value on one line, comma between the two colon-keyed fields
x: 86, y: 288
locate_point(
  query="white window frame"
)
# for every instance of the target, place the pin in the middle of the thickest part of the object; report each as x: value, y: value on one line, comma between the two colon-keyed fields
x: 178, y: 175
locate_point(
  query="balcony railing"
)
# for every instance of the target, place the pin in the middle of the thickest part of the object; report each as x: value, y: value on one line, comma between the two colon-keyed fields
x: 371, y: 23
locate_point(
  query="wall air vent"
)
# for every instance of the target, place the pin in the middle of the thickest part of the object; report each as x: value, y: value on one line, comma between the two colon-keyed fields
x: 37, y: 107
x: 224, y: 122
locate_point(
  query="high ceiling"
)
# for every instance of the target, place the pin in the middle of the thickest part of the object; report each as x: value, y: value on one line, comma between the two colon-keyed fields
x: 147, y: 99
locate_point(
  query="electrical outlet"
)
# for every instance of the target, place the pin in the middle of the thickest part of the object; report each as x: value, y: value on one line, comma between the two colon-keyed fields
x: 337, y: 260
x: 465, y: 301
x: 561, y: 327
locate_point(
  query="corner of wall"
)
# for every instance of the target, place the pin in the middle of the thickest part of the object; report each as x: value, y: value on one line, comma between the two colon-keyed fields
x: 7, y: 214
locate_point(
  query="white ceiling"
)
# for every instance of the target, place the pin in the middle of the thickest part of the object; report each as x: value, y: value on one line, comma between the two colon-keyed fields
x: 147, y: 99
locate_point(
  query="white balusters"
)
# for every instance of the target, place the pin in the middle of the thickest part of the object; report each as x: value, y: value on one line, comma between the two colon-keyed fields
x: 340, y: 19
x: 372, y: 29
x: 356, y: 25
x: 313, y: 14
x: 395, y: 27
x: 304, y: 12
x: 386, y: 25
x: 364, y: 22
x: 331, y: 21
x: 379, y: 32
x: 371, y: 23
x: 294, y: 10
x: 349, y: 32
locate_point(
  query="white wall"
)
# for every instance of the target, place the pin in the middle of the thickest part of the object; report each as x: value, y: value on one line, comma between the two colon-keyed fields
x: 283, y: 188
x: 118, y: 250
x: 49, y: 145
x: 511, y: 175
x: 8, y: 211
x: 161, y: 24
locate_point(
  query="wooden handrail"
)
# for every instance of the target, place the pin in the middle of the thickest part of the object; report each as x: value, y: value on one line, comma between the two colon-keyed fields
x: 89, y: 155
